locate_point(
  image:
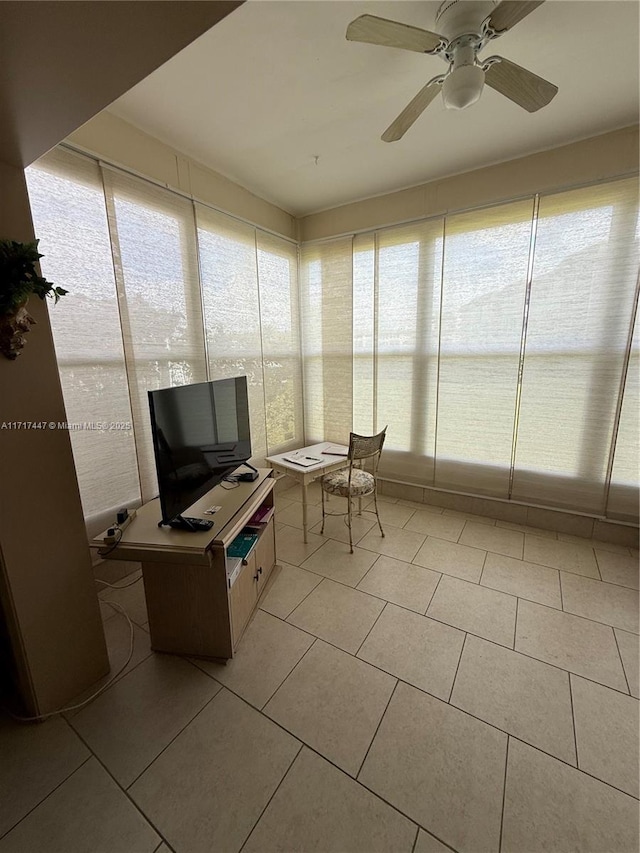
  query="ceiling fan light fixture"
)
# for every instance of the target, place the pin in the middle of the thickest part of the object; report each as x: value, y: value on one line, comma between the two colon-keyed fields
x: 463, y: 87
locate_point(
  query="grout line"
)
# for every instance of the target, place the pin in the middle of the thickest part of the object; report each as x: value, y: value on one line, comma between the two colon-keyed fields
x: 371, y: 628
x: 515, y: 625
x: 561, y: 594
x: 281, y: 684
x: 622, y: 661
x: 391, y: 695
x: 277, y: 788
x: 484, y: 563
x: 573, y: 721
x: 52, y: 791
x: 167, y: 745
x: 415, y: 840
x: 144, y: 816
x: 595, y: 556
x: 433, y: 594
x: 464, y: 640
x: 504, y: 793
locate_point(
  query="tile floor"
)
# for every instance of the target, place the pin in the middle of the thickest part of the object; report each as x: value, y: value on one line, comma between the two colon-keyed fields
x: 463, y: 684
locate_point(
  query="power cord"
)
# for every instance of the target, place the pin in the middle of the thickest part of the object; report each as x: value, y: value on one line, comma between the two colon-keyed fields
x: 103, y: 553
x: 98, y: 692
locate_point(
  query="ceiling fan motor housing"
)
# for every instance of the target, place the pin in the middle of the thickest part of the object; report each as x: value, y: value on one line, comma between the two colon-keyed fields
x: 458, y: 17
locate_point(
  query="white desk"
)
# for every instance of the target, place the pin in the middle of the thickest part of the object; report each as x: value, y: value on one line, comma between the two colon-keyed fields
x: 305, y: 475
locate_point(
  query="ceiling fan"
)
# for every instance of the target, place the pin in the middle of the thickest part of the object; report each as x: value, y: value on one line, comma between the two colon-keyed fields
x: 467, y: 26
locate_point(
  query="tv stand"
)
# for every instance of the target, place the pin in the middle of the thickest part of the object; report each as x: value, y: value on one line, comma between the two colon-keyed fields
x: 190, y: 525
x: 199, y: 599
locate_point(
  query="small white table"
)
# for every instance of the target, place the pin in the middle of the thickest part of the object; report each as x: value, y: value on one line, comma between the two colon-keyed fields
x: 282, y: 462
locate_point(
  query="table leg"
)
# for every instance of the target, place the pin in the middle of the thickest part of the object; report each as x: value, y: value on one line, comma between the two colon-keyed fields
x: 304, y: 512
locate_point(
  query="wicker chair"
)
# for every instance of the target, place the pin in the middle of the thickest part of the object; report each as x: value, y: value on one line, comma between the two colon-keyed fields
x: 353, y: 481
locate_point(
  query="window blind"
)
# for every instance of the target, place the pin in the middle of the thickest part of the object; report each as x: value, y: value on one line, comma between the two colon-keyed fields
x: 156, y: 273
x: 68, y: 206
x: 585, y: 269
x: 326, y: 293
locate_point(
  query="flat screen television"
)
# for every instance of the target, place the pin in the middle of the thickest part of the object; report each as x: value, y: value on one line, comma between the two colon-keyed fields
x: 200, y: 434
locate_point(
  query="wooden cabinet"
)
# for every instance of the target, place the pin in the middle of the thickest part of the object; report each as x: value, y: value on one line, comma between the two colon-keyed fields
x: 195, y: 607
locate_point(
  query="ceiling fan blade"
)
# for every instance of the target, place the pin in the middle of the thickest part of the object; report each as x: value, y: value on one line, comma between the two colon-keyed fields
x: 519, y: 85
x: 374, y: 30
x: 511, y: 12
x: 410, y: 113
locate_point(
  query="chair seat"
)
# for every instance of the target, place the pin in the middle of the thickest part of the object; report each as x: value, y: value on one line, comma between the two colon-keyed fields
x: 337, y: 483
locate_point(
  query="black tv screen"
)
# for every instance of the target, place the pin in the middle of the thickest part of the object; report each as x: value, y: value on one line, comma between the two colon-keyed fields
x: 200, y: 434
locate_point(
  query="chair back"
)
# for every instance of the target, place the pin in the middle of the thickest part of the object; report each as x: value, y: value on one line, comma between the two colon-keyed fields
x: 366, y: 446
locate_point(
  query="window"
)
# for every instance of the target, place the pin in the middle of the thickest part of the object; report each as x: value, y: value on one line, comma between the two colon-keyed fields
x: 495, y: 344
x: 155, y: 301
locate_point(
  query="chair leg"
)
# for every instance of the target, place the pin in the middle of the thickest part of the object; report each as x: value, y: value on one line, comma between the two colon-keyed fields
x: 322, y: 493
x: 349, y: 523
x: 359, y: 506
x: 375, y: 503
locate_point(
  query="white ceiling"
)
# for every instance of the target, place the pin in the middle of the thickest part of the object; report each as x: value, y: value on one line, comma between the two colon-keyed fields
x: 276, y: 84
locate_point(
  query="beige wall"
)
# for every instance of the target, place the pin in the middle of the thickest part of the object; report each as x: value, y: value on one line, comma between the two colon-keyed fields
x: 46, y: 584
x: 118, y: 142
x: 61, y: 63
x: 598, y: 158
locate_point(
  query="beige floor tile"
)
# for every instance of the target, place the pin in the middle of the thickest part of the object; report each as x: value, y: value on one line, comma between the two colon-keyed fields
x: 335, y: 561
x: 618, y: 568
x: 496, y: 539
x: 504, y: 510
x: 476, y: 609
x: 117, y: 633
x: 602, y: 602
x: 398, y: 543
x: 526, y: 580
x: 629, y: 652
x: 336, y: 527
x: 552, y: 808
x: 290, y: 546
x: 470, y: 516
x: 317, y: 808
x: 570, y: 642
x: 427, y: 843
x: 525, y: 528
x: 131, y: 598
x: 578, y: 559
x: 333, y: 703
x: 269, y: 650
x: 314, y: 493
x: 281, y: 501
x: 289, y: 587
x: 35, y: 760
x: 132, y: 722
x: 461, y: 561
x: 594, y: 543
x: 607, y: 734
x: 340, y: 615
x: 405, y: 584
x: 517, y: 694
x: 441, y: 767
x: 292, y: 514
x: 441, y: 526
x: 394, y: 514
x: 416, y: 649
x: 86, y: 814
x: 209, y: 787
